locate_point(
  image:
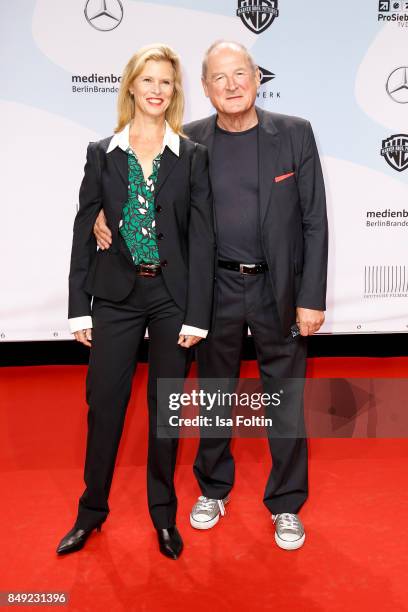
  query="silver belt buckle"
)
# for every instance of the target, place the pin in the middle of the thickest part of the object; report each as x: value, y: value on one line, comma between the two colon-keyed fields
x: 242, y: 266
x: 148, y: 269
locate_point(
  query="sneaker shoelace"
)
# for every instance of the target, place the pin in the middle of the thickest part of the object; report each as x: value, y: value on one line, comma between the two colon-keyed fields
x: 287, y: 521
x: 205, y: 503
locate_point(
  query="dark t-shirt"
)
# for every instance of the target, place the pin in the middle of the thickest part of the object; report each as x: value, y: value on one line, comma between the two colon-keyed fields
x: 236, y: 195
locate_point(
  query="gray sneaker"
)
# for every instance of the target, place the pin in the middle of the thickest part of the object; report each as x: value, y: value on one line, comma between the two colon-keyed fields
x: 289, y: 531
x: 206, y: 512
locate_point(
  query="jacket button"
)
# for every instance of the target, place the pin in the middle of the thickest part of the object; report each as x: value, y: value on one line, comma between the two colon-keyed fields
x: 160, y: 236
x: 163, y: 263
x: 159, y: 208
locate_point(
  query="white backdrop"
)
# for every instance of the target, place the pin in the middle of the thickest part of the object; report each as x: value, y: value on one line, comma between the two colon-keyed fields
x: 342, y: 68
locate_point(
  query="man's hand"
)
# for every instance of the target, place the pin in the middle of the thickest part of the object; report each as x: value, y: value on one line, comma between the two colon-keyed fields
x: 102, y: 232
x: 84, y: 336
x: 309, y: 321
x: 188, y: 341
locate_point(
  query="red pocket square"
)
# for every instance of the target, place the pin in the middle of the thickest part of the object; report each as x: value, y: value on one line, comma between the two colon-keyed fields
x: 282, y: 177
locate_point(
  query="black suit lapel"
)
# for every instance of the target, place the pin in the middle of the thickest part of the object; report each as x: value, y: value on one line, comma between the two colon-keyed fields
x: 167, y: 163
x: 120, y: 160
x: 206, y: 137
x: 268, y: 151
x: 168, y: 160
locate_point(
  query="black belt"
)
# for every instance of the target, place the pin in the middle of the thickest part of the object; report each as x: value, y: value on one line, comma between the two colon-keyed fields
x: 257, y: 268
x: 146, y: 269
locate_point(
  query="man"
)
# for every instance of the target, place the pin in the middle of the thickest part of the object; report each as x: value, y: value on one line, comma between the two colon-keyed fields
x: 271, y: 228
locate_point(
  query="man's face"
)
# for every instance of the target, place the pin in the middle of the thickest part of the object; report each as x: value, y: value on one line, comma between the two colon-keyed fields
x: 231, y: 84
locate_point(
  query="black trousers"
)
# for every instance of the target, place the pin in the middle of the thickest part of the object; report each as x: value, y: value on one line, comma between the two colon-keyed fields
x: 241, y: 301
x: 118, y: 330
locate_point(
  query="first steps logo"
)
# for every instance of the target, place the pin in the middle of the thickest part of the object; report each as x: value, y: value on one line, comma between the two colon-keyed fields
x: 395, y: 151
x: 257, y: 15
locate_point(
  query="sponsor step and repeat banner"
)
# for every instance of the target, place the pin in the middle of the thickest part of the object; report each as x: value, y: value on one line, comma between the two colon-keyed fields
x: 343, y: 66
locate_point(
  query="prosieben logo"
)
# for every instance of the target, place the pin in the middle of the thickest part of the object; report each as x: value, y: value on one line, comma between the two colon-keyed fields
x: 393, y: 10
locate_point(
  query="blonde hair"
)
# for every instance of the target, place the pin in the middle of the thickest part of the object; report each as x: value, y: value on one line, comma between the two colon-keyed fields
x: 126, y: 103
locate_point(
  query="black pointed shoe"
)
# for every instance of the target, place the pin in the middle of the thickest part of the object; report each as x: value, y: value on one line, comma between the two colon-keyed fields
x: 170, y: 542
x: 75, y: 539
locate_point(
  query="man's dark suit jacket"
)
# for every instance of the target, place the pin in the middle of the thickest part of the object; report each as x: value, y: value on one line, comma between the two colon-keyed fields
x: 184, y: 225
x: 292, y: 211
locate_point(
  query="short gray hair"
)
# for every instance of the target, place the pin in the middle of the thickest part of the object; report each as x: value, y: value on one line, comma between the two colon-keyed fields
x: 226, y: 43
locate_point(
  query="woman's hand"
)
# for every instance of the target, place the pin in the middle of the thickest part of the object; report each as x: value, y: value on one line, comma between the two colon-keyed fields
x: 102, y: 232
x: 84, y: 336
x: 188, y: 341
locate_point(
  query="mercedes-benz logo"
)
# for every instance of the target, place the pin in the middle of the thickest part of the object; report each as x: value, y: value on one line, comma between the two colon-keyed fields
x: 104, y: 15
x: 397, y: 85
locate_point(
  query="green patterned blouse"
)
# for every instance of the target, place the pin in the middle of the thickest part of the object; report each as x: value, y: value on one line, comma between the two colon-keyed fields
x: 138, y: 223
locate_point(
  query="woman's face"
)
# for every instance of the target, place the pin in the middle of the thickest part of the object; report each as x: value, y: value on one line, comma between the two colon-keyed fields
x: 153, y: 88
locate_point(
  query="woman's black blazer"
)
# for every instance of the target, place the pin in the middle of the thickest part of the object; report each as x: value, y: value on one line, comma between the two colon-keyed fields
x: 184, y: 226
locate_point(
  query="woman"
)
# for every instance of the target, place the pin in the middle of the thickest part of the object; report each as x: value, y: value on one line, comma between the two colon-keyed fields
x: 153, y: 186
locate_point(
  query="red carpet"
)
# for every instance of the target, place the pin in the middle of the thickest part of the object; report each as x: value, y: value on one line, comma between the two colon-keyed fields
x: 354, y: 557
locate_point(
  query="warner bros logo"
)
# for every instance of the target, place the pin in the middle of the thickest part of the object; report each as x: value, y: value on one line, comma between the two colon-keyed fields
x: 395, y: 151
x: 257, y: 15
